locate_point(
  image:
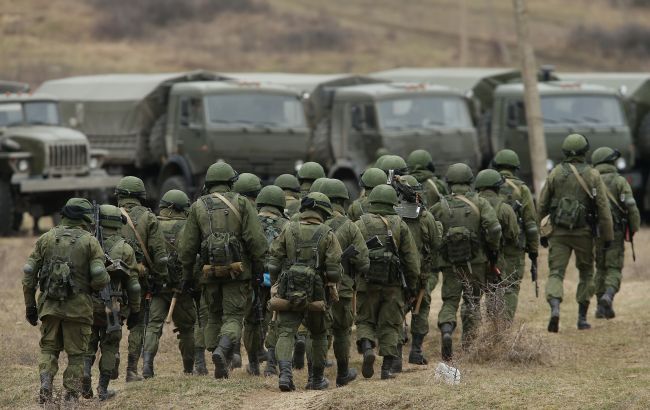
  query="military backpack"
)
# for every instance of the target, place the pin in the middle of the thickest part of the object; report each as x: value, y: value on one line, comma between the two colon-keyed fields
x: 461, y: 220
x: 384, y: 262
x: 57, y: 276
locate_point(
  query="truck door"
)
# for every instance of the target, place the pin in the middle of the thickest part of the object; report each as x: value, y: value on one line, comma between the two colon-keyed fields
x: 191, y: 133
x: 362, y: 135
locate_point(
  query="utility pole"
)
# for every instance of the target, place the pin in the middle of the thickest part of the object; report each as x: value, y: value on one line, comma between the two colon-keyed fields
x: 536, y: 140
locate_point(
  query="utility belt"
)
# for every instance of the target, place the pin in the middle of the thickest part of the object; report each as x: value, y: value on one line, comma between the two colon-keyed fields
x: 231, y: 271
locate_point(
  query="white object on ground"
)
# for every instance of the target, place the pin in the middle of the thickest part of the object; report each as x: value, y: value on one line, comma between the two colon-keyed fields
x: 447, y: 374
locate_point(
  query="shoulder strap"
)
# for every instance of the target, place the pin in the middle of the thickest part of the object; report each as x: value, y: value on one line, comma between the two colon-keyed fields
x: 612, y: 199
x: 581, y: 181
x: 145, y: 252
x: 229, y: 205
x: 514, y: 186
x: 435, y: 187
x: 469, y: 202
x: 388, y: 228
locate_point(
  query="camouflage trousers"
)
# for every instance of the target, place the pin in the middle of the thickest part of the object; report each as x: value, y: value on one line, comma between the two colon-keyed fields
x: 609, y: 264
x: 57, y: 335
x: 511, y: 283
x: 288, y: 323
x: 559, y: 252
x: 199, y: 325
x: 184, y: 317
x: 107, y: 343
x: 136, y: 332
x: 226, y: 303
x: 420, y: 322
x: 380, y: 314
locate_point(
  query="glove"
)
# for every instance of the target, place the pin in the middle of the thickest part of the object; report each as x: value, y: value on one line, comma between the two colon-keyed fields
x: 187, y: 286
x: 31, y: 314
x: 607, y: 245
x: 543, y: 241
x: 267, y: 280
x: 132, y: 320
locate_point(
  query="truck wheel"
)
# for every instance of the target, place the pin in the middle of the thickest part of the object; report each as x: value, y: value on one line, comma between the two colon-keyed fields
x: 173, y: 182
x: 353, y: 188
x: 157, y: 145
x: 6, y: 208
x: 17, y: 221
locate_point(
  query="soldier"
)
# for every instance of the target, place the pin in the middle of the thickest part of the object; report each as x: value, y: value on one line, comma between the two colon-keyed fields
x: 421, y: 167
x: 307, y: 174
x: 107, y: 333
x: 575, y: 197
x: 427, y: 234
x: 142, y: 232
x: 173, y: 207
x: 305, y: 258
x: 348, y: 235
x: 488, y: 183
x: 370, y: 179
x: 223, y: 228
x: 393, y: 163
x: 519, y: 197
x: 291, y: 188
x: 626, y: 219
x: 67, y: 264
x: 382, y: 298
x: 471, y: 237
x: 380, y: 152
x: 248, y: 185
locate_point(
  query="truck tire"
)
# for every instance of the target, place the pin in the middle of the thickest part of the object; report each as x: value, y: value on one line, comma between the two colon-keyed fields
x: 353, y: 188
x: 174, y: 182
x: 6, y: 208
x: 157, y: 146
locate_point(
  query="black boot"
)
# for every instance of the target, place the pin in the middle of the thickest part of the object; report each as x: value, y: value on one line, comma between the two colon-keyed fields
x: 319, y: 381
x: 367, y: 368
x: 102, y: 387
x: 45, y: 393
x: 285, y: 381
x: 188, y: 365
x: 71, y: 396
x: 200, y: 369
x: 262, y: 355
x: 415, y: 355
x: 86, y: 380
x: 582, y: 316
x: 397, y: 360
x: 310, y: 376
x: 387, y: 368
x: 607, y: 300
x: 253, y: 367
x: 446, y: 342
x: 554, y: 321
x: 116, y: 370
x: 147, y: 365
x: 220, y: 357
x: 235, y: 359
x: 271, y: 365
x: 344, y: 374
x: 600, y: 308
x: 132, y: 368
x: 299, y: 352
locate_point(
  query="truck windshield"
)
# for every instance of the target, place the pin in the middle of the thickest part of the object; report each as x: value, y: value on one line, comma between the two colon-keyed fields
x: 41, y: 113
x: 423, y: 112
x: 581, y: 109
x: 10, y: 114
x: 272, y: 110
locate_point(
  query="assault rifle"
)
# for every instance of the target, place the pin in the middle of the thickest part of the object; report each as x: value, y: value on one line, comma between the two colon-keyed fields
x: 533, y: 274
x: 107, y: 295
x: 259, y: 306
x: 409, y: 296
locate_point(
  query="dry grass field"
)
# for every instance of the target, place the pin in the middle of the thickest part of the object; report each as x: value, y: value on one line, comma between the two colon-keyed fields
x: 606, y: 367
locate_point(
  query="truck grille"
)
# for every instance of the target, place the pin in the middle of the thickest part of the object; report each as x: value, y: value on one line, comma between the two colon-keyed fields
x: 68, y: 158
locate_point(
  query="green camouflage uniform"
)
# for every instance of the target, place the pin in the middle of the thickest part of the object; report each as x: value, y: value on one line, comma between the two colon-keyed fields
x: 293, y: 203
x: 432, y: 187
x: 64, y: 308
x: 359, y: 206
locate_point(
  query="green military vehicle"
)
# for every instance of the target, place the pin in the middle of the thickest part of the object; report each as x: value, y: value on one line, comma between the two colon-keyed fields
x: 169, y: 128
x: 42, y: 163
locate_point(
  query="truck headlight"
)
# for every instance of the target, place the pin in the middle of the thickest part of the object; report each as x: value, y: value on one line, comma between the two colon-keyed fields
x: 621, y: 163
x: 298, y: 165
x: 22, y: 165
x: 93, y: 163
x: 549, y: 165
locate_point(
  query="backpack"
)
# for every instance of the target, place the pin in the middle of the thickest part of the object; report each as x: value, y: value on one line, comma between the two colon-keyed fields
x: 221, y: 245
x: 56, y: 278
x: 302, y: 283
x: 510, y: 192
x: 383, y: 261
x: 569, y: 211
x: 170, y: 229
x: 461, y: 219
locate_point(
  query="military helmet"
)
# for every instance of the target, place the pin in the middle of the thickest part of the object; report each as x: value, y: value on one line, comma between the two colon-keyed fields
x: 372, y: 177
x: 111, y: 217
x: 311, y: 171
x: 78, y: 208
x: 459, y: 173
x: 380, y: 160
x: 220, y: 172
x: 383, y: 194
x: 411, y: 181
x: 176, y: 199
x: 575, y: 144
x: 604, y: 154
x: 506, y: 158
x: 130, y: 186
x: 420, y: 159
x: 271, y: 195
x: 287, y: 181
x: 394, y: 162
x: 316, y: 200
x: 247, y: 184
x: 335, y: 189
x: 488, y: 178
x: 317, y: 185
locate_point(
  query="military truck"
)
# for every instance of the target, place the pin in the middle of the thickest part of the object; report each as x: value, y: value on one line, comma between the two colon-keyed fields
x: 169, y: 128
x: 42, y: 163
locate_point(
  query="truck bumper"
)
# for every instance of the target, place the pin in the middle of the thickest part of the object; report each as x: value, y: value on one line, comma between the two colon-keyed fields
x: 92, y: 182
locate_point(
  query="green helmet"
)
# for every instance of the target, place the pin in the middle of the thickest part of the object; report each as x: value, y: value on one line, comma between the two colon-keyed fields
x: 311, y: 171
x: 317, y: 185
x: 130, y: 186
x: 317, y: 200
x: 383, y: 194
x: 287, y: 181
x: 247, y: 184
x: 506, y: 158
x: 459, y: 173
x: 372, y: 177
x: 575, y: 144
x: 420, y: 159
x: 335, y: 189
x: 110, y: 216
x: 78, y: 208
x: 394, y: 162
x: 220, y: 172
x: 176, y: 199
x: 411, y: 181
x: 488, y: 178
x: 271, y: 195
x: 604, y: 154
